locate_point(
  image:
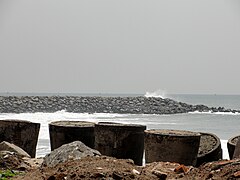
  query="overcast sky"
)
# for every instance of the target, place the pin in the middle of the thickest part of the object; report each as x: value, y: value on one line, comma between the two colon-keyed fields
x: 120, y: 46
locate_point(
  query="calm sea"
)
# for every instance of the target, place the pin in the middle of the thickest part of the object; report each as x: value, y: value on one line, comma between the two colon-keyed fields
x: 224, y: 125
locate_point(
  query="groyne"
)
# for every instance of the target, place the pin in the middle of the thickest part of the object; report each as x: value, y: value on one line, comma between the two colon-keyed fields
x: 122, y: 105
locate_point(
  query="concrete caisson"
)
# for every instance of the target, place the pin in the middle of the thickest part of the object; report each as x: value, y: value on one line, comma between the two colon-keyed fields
x: 171, y: 146
x: 236, y: 153
x: 21, y: 133
x: 231, y: 144
x: 210, y: 148
x: 63, y: 132
x: 125, y: 141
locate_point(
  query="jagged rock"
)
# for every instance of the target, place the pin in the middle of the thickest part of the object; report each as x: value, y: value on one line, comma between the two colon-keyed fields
x: 72, y: 151
x: 6, y: 146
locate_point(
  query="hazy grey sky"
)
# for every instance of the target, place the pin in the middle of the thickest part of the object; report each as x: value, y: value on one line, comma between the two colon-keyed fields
x: 120, y: 46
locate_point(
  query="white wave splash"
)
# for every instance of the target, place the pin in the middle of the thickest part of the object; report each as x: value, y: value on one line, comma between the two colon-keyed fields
x: 158, y: 94
x: 217, y: 113
x: 224, y: 148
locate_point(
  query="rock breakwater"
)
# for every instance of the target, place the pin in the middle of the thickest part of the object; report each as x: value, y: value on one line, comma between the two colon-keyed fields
x: 78, y: 104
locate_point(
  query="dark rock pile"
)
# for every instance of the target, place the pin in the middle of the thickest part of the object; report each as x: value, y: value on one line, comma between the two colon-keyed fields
x: 130, y: 105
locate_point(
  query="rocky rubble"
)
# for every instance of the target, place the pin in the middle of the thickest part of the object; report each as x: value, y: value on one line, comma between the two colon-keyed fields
x: 129, y: 105
x: 110, y: 168
x: 104, y: 167
x: 14, y: 158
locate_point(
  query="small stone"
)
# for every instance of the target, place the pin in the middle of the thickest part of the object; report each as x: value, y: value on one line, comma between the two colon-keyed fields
x: 160, y: 175
x: 134, y: 171
x: 237, y: 174
x: 130, y: 161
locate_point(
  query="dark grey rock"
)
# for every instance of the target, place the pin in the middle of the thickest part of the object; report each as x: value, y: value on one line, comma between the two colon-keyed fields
x: 72, y: 151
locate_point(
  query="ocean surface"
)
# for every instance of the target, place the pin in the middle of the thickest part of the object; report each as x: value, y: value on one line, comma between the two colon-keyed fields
x: 224, y: 125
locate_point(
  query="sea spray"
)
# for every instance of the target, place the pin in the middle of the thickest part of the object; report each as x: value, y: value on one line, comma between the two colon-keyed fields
x: 158, y: 94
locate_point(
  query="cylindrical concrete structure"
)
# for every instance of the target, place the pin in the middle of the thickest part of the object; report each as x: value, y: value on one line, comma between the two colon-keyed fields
x: 209, y: 149
x: 231, y: 144
x: 236, y: 153
x: 171, y: 146
x: 125, y: 141
x: 63, y: 132
x: 21, y: 133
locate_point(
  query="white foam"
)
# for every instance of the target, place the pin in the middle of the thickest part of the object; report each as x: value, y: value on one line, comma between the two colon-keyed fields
x: 224, y: 148
x: 227, y: 113
x: 218, y: 113
x: 198, y: 112
x: 158, y: 94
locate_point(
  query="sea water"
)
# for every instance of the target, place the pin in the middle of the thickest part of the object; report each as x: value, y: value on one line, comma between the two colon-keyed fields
x: 224, y: 125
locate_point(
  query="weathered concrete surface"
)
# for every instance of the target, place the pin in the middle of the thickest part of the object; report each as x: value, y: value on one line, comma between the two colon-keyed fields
x: 171, y: 146
x: 231, y: 144
x: 209, y: 148
x: 125, y: 141
x: 63, y: 132
x: 21, y: 133
x: 72, y: 151
x: 236, y: 153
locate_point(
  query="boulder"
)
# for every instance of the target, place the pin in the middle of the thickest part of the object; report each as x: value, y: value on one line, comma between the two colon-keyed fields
x: 72, y: 151
x: 6, y: 146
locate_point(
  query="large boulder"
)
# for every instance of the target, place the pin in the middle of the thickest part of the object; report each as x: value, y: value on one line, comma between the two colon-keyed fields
x: 6, y: 146
x: 72, y: 151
